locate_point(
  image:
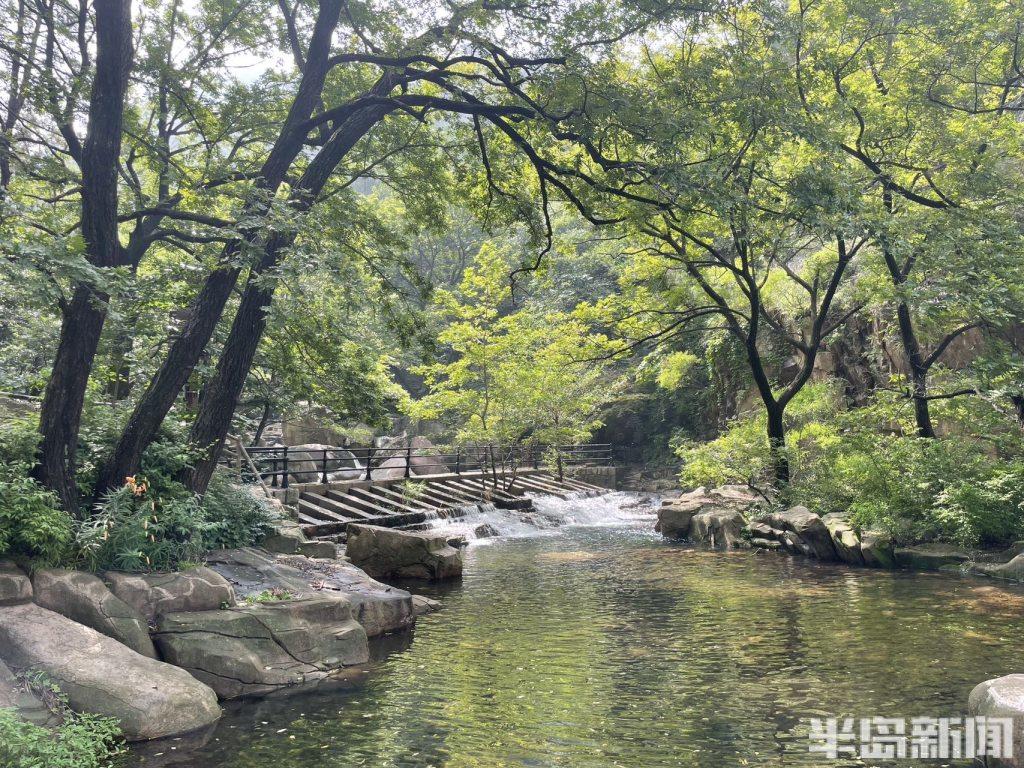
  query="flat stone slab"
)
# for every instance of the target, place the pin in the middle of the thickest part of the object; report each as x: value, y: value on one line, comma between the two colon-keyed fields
x: 930, y: 557
x: 259, y: 649
x: 389, y: 553
x: 82, y: 597
x: 151, y: 699
x: 153, y: 594
x: 380, y: 608
x: 1011, y: 571
x: 15, y: 586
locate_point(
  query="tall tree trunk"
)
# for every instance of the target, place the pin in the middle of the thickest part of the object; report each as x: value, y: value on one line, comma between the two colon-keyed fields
x: 208, y: 306
x: 918, y: 371
x: 82, y: 324
x: 222, y: 393
x: 777, y: 445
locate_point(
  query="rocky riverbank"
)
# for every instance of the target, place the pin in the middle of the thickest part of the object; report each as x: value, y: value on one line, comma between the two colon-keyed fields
x: 157, y: 651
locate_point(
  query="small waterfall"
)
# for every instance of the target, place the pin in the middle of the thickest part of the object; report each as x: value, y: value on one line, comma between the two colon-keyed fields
x: 483, y: 521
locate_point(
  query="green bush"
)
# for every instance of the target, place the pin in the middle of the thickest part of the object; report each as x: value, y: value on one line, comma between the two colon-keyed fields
x: 81, y: 741
x: 235, y: 517
x: 136, y: 528
x: 32, y: 524
x: 133, y: 530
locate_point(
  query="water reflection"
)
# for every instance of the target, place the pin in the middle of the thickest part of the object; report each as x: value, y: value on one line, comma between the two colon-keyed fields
x: 605, y: 646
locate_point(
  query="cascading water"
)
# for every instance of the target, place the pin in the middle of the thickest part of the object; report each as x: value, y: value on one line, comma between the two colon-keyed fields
x: 482, y: 522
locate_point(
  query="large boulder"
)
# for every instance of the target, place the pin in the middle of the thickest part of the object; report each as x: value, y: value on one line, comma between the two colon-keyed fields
x: 82, y: 597
x: 930, y: 557
x: 307, y: 462
x: 151, y: 594
x: 844, y: 539
x: 877, y: 549
x: 261, y: 648
x: 378, y: 607
x: 674, y: 517
x: 718, y: 528
x: 286, y: 537
x: 98, y: 674
x: 811, y: 532
x: 389, y: 553
x: 15, y: 586
x: 1002, y: 697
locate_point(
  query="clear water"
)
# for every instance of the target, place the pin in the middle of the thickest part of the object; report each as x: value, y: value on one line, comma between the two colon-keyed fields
x: 600, y: 645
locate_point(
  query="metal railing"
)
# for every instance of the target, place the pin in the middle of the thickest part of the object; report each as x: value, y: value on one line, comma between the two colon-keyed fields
x: 282, y: 465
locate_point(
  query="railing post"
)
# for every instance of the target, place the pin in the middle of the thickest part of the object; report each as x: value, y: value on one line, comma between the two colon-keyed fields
x: 558, y: 458
x: 323, y: 467
x: 273, y: 472
x: 284, y: 483
x: 536, y: 458
x: 408, y: 459
x: 458, y: 461
x: 369, y: 461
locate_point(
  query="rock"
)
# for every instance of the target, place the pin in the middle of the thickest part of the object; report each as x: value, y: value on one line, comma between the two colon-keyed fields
x: 794, y: 544
x: 323, y: 550
x: 82, y: 597
x: 759, y: 530
x: 422, y: 604
x: 718, y: 528
x: 1002, y: 556
x: 258, y: 649
x: 877, y: 550
x: 1002, y: 697
x: 378, y: 607
x: 844, y: 539
x: 15, y: 586
x: 306, y: 463
x: 286, y: 539
x: 808, y: 527
x: 929, y: 557
x: 1011, y: 571
x: 389, y: 553
x: 98, y: 674
x: 675, y: 516
x: 759, y: 543
x: 15, y: 695
x: 151, y: 594
x: 485, y: 531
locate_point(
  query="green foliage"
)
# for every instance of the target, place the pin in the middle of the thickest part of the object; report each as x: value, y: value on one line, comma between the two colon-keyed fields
x: 135, y: 529
x: 868, y: 462
x: 233, y: 517
x: 273, y: 595
x: 511, y: 375
x: 132, y: 531
x: 81, y: 740
x: 32, y: 524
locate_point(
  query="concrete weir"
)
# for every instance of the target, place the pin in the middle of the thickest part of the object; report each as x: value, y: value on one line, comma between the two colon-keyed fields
x: 325, y: 510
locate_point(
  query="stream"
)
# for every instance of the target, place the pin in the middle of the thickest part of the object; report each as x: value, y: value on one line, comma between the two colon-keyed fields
x: 599, y: 644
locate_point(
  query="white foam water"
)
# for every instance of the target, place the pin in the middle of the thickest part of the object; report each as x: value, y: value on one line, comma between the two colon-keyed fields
x: 480, y: 523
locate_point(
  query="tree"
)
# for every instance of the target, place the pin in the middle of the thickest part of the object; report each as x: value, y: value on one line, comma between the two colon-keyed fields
x: 510, y: 377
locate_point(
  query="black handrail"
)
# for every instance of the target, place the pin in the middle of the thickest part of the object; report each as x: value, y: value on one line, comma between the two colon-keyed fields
x: 279, y: 463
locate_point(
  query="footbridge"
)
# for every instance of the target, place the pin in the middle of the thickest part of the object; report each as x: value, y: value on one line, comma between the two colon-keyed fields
x: 331, y: 487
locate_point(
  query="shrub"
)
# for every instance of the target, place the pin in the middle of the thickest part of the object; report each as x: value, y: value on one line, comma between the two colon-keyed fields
x: 133, y: 530
x: 235, y: 517
x: 138, y: 529
x: 32, y: 524
x: 81, y: 740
